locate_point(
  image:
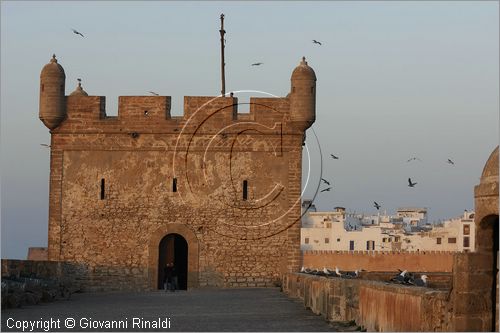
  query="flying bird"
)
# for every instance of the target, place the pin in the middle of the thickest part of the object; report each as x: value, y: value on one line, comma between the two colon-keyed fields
x: 414, y: 159
x: 450, y: 162
x: 325, y: 181
x: 257, y: 63
x: 153, y: 93
x: 376, y: 205
x: 316, y: 42
x: 45, y: 145
x: 410, y: 183
x: 78, y: 33
x: 326, y: 189
x: 334, y: 157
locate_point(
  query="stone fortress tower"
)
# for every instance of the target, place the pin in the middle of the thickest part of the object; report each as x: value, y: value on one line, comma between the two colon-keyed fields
x: 215, y: 191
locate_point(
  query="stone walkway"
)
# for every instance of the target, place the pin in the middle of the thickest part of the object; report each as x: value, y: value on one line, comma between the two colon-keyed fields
x: 256, y: 309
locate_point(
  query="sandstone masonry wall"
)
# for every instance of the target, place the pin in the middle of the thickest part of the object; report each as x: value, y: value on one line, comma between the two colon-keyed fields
x: 71, y: 272
x: 37, y: 253
x: 210, y: 151
x: 377, y: 306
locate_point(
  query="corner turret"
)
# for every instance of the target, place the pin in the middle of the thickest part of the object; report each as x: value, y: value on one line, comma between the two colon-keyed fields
x: 52, y: 100
x: 303, y: 96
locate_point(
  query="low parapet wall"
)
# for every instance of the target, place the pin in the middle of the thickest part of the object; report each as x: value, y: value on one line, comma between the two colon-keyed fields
x: 375, y: 305
x: 424, y: 261
x: 44, y: 269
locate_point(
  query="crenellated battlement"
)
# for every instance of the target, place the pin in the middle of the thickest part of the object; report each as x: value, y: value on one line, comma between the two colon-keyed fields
x: 153, y: 113
x: 79, y: 112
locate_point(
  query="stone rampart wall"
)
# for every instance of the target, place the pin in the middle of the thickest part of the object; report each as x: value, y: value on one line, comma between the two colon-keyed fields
x: 375, y: 305
x: 65, y: 271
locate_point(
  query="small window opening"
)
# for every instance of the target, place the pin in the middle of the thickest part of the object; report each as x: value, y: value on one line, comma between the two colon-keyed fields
x: 466, y: 229
x: 466, y: 242
x: 174, y: 185
x: 62, y: 88
x: 102, y: 189
x: 42, y: 87
x: 312, y: 90
x: 245, y: 190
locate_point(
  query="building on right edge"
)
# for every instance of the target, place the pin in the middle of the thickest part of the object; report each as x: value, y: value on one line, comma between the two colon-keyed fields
x: 475, y: 275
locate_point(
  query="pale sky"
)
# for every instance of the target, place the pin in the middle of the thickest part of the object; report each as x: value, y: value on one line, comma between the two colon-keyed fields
x: 395, y: 80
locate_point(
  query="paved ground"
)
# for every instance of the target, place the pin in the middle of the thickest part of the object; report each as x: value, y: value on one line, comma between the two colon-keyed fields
x: 256, y: 309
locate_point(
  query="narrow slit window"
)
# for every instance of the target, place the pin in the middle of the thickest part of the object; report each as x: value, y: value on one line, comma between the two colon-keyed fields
x: 174, y: 185
x: 245, y: 190
x: 102, y: 189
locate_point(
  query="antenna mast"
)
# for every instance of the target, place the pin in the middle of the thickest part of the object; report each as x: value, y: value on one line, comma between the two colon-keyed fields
x: 222, y: 32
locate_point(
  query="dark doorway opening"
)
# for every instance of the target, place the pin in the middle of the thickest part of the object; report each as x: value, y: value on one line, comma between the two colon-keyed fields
x: 173, y: 248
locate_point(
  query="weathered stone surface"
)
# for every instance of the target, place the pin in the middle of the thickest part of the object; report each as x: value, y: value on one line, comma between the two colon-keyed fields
x: 26, y: 282
x: 236, y: 200
x: 476, y: 274
x: 377, y: 306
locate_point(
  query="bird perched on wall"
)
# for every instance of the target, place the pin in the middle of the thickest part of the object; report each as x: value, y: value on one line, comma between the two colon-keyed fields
x: 403, y: 277
x: 316, y: 42
x: 410, y: 183
x: 400, y: 277
x: 376, y: 205
x: 325, y: 181
x: 77, y: 32
x: 257, y: 63
x: 328, y: 272
x: 326, y: 189
x: 420, y: 282
x: 305, y: 270
x: 353, y: 275
x: 450, y: 162
x: 338, y: 273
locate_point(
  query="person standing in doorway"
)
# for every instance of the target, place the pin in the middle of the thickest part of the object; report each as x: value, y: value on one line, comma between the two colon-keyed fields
x: 167, y: 277
x: 174, y: 277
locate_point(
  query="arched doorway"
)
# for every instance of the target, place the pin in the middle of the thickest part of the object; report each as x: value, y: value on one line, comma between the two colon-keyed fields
x: 173, y: 248
x: 193, y: 256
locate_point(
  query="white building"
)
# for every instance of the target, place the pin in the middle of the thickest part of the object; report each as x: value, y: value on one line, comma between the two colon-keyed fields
x: 407, y: 231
